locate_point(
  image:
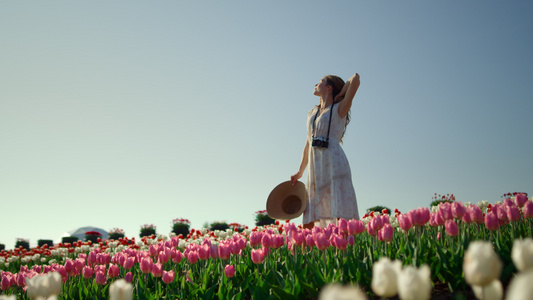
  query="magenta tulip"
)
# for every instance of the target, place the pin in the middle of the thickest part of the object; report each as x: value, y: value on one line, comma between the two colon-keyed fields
x: 451, y: 228
x: 309, y: 241
x: 113, y: 271
x: 128, y: 277
x: 521, y: 199
x: 513, y: 213
x: 467, y: 218
x: 100, y: 278
x: 87, y: 272
x: 266, y: 241
x: 528, y: 209
x: 168, y: 277
x: 229, y: 270
x: 351, y: 240
x: 91, y: 259
x: 69, y: 265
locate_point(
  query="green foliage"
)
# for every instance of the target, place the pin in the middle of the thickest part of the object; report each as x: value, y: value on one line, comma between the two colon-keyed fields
x: 25, y: 244
x: 69, y: 239
x: 437, y: 202
x: 41, y: 243
x: 379, y: 209
x: 181, y: 228
x: 2, y: 247
x: 116, y: 235
x: 147, y: 230
x: 263, y: 219
x: 218, y: 226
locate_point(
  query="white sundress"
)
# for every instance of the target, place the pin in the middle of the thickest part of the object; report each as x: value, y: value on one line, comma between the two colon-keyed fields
x: 329, y: 180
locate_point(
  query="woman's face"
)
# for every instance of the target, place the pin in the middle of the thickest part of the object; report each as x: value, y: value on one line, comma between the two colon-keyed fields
x: 321, y: 87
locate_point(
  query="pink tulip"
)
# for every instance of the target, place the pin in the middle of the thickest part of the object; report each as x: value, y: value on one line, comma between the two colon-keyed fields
x: 69, y: 265
x: 439, y: 218
x: 229, y: 270
x: 224, y: 251
x: 377, y: 223
x: 458, y: 210
x: 157, y: 270
x: 203, y: 252
x: 309, y: 241
x: 351, y: 240
x: 266, y: 241
x: 297, y: 238
x: 146, y: 265
x: 20, y: 279
x: 79, y: 263
x: 513, y: 213
x: 6, y: 282
x: 91, y: 259
x: 321, y: 242
x: 521, y: 199
x: 277, y: 241
x: 100, y: 278
x: 501, y: 213
x: 128, y: 277
x: 129, y: 262
x: 255, y: 238
x: 475, y: 213
x: 113, y: 271
x: 176, y: 255
x: 467, y: 218
x: 257, y: 256
x: 87, y: 272
x: 385, y: 234
x: 164, y: 255
x: 343, y: 226
x: 99, y: 268
x: 528, y: 209
x: 370, y: 229
x: 405, y: 222
x: 192, y: 257
x: 491, y: 221
x: 432, y: 220
x: 508, y: 202
x: 355, y: 227
x: 213, y: 250
x: 168, y: 277
x: 451, y: 228
x: 153, y: 250
x: 445, y: 210
x: 339, y: 242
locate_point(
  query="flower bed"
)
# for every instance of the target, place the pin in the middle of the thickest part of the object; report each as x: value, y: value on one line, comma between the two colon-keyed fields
x: 287, y: 261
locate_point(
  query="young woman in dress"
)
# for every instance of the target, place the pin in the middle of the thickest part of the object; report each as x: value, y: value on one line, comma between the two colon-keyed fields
x: 329, y: 181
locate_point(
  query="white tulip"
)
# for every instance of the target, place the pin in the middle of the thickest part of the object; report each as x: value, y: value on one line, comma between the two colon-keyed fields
x: 339, y: 292
x: 492, y: 291
x: 55, y: 283
x: 481, y: 264
x: 520, y: 287
x: 38, y: 286
x: 415, y: 284
x: 384, y: 277
x: 12, y: 297
x: 522, y: 254
x: 121, y: 290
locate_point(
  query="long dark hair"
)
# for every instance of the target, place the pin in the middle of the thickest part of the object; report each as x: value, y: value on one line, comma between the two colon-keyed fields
x: 337, y: 84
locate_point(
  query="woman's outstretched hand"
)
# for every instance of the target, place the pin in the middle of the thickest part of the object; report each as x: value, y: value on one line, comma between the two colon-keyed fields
x: 295, y: 177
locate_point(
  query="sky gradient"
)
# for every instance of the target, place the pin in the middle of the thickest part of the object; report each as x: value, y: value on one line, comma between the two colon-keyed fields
x: 124, y: 113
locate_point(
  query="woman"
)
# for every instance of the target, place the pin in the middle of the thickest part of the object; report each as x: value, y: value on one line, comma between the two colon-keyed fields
x: 329, y: 182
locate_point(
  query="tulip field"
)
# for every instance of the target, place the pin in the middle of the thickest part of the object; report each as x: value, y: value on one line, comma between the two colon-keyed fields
x: 452, y: 251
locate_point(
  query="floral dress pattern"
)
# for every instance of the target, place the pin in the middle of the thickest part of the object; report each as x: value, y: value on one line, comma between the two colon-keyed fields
x: 329, y: 180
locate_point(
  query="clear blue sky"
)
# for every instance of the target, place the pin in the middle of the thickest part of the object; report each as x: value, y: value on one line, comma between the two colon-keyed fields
x: 122, y: 113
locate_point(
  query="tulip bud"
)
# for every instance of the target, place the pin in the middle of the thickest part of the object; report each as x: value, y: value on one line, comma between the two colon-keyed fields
x: 522, y: 254
x: 128, y: 277
x: 257, y: 256
x: 491, y: 221
x: 168, y: 277
x: 384, y: 277
x: 121, y: 290
x: 451, y: 228
x: 492, y: 291
x: 481, y: 264
x: 415, y: 284
x: 520, y: 287
x: 336, y: 291
x: 229, y: 270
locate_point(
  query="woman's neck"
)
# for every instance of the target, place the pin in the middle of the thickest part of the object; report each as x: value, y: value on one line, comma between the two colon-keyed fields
x: 326, y: 101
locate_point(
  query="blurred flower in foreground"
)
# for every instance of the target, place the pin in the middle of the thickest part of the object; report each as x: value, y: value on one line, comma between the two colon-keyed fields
x: 44, y: 286
x: 415, y: 284
x: 520, y: 287
x: 384, y: 277
x: 339, y: 292
x: 121, y: 290
x: 522, y: 254
x: 481, y: 264
x: 492, y: 291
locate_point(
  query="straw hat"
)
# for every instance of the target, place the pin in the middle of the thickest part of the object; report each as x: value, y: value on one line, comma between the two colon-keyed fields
x: 286, y: 201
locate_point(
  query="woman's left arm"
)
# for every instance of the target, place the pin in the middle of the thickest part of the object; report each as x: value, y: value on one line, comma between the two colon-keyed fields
x: 348, y: 92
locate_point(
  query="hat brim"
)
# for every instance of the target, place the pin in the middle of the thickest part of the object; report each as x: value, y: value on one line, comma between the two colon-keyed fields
x: 286, y: 201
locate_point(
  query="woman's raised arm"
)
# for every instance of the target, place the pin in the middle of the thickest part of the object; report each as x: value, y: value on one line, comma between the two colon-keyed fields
x: 348, y: 92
